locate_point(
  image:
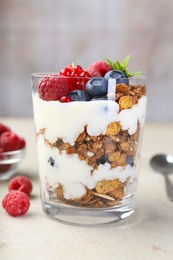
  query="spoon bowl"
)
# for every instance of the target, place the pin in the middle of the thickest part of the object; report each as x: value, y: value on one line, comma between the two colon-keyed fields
x: 163, y: 163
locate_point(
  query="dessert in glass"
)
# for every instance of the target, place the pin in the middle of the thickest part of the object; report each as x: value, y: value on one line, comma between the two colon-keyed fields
x: 89, y: 128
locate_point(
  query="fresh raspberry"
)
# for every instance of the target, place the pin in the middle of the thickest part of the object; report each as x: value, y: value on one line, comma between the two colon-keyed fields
x: 16, y: 203
x: 52, y: 87
x: 9, y: 141
x: 75, y: 72
x: 3, y: 128
x: 65, y: 99
x: 98, y: 69
x: 20, y: 183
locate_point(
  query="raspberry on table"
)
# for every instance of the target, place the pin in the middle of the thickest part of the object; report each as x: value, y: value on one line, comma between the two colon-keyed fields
x: 20, y: 183
x: 52, y: 87
x: 9, y: 141
x: 16, y: 203
x: 98, y: 68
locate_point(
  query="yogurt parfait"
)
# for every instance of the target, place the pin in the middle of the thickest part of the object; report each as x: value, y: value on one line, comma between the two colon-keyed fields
x: 89, y: 127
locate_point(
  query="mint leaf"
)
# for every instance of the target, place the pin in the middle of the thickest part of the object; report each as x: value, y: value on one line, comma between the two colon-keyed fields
x: 125, y: 62
x: 117, y: 65
x: 111, y: 63
x: 122, y: 66
x: 134, y: 74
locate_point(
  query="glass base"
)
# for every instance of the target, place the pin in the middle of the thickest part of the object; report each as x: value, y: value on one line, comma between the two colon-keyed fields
x: 87, y: 217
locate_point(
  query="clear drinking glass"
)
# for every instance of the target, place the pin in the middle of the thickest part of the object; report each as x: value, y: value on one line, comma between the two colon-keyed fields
x: 89, y: 152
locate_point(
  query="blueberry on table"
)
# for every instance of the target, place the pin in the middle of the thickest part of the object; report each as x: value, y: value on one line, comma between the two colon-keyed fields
x: 118, y: 75
x: 97, y: 87
x: 79, y: 95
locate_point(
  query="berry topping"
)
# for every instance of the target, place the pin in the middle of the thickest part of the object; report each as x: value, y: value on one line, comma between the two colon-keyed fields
x: 16, y: 203
x: 65, y: 99
x: 75, y: 72
x: 3, y: 128
x: 52, y: 87
x: 20, y: 183
x: 97, y: 87
x: 72, y: 70
x: 79, y: 95
x: 92, y: 84
x: 118, y: 75
x: 99, y: 68
x: 9, y: 141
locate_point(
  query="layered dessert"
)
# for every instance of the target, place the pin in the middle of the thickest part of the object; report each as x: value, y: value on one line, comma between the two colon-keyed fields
x: 88, y: 125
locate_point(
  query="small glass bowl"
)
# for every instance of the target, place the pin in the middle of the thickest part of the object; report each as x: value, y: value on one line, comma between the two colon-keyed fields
x: 9, y: 162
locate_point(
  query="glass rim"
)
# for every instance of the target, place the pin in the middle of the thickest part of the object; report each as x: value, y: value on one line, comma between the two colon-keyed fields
x: 49, y: 74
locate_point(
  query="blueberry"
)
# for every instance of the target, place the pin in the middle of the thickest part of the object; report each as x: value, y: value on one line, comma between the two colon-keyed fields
x: 99, y: 98
x: 129, y: 160
x: 118, y: 75
x: 79, y: 95
x: 97, y: 87
x: 102, y: 160
x: 51, y: 161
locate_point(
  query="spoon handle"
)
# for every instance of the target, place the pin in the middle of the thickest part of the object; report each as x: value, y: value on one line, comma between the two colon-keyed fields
x: 169, y: 187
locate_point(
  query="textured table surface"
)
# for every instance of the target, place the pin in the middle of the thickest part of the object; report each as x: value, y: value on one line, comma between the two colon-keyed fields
x: 146, y: 235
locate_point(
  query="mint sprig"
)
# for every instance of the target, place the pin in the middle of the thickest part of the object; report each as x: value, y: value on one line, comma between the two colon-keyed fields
x: 122, y: 66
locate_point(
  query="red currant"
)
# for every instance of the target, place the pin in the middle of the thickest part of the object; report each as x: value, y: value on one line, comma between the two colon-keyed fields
x: 65, y: 99
x: 77, y: 77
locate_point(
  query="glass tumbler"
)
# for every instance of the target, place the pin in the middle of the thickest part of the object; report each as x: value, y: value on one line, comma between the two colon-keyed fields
x: 89, y: 149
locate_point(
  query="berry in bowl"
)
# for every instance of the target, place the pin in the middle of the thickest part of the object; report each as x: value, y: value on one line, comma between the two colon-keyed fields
x: 12, y: 151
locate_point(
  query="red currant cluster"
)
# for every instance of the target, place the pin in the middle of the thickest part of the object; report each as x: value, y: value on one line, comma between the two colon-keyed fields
x: 76, y: 76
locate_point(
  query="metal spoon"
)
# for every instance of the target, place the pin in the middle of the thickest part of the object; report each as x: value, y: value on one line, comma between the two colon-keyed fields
x: 164, y: 164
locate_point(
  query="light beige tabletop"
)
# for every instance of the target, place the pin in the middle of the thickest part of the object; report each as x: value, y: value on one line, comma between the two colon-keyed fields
x: 147, y: 235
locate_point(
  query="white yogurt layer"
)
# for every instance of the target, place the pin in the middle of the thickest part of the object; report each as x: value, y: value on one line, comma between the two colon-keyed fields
x: 74, y: 174
x: 67, y: 120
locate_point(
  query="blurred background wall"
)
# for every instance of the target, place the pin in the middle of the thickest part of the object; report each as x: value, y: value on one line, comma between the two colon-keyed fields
x: 41, y: 35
